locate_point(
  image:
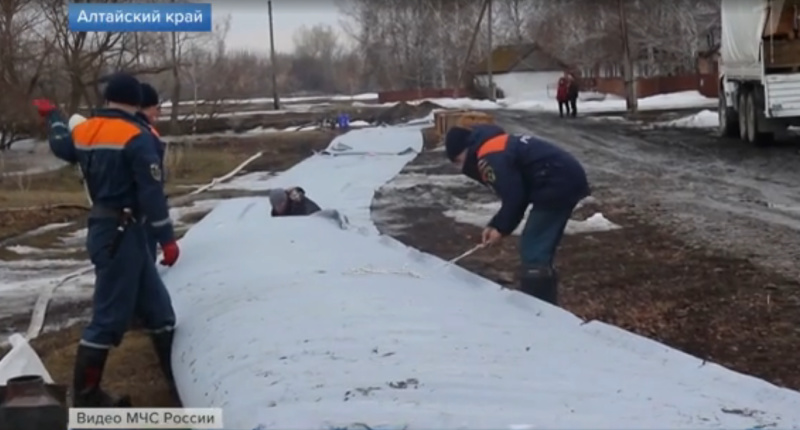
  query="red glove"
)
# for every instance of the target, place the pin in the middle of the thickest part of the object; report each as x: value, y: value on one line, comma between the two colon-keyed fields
x: 171, y: 253
x: 44, y: 107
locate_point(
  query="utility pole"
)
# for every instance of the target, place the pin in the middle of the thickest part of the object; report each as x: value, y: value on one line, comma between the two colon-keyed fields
x: 472, y: 40
x: 628, y: 73
x: 489, y: 63
x: 275, y: 100
x: 442, y: 48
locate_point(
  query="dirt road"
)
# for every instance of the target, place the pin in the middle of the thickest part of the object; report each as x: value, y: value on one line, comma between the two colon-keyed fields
x: 710, y: 190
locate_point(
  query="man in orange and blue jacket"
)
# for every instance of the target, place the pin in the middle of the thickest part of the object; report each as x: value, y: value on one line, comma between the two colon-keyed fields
x: 123, y: 175
x: 523, y: 171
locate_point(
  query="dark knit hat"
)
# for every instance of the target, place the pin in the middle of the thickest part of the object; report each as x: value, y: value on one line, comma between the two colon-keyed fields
x: 277, y: 197
x: 124, y: 89
x: 149, y: 96
x: 456, y: 141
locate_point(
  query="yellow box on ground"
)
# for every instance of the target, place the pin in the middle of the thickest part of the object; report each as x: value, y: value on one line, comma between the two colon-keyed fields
x: 445, y: 120
x: 145, y: 418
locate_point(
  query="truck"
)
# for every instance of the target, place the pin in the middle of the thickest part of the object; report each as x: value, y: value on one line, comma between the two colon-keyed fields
x: 759, y: 68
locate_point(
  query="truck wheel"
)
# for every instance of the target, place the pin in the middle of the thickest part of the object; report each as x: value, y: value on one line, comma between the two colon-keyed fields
x: 742, y: 100
x: 728, y: 118
x: 754, y: 135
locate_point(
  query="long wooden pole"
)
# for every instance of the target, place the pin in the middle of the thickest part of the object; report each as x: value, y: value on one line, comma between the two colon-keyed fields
x: 275, y: 99
x: 628, y: 72
x: 472, y: 40
x: 489, y: 60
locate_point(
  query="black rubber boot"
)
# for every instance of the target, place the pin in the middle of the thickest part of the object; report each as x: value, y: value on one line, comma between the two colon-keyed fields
x: 86, y: 392
x: 162, y: 343
x: 540, y: 282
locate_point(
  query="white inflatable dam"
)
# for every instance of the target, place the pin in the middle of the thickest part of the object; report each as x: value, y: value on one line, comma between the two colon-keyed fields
x: 306, y: 322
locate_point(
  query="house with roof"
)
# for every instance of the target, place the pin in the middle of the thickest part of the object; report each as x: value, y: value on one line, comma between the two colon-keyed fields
x: 522, y: 72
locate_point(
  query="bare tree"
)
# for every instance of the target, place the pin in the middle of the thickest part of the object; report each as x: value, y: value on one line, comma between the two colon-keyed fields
x: 515, y: 17
x: 212, y: 70
x: 22, y: 53
x: 82, y: 53
x: 400, y: 49
x: 316, y: 51
x: 180, y: 46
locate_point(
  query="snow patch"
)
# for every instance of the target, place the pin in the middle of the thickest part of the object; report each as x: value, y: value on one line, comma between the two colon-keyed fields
x: 260, y: 100
x: 427, y: 119
x: 75, y: 238
x: 703, y: 119
x: 29, y: 250
x: 39, y: 264
x: 679, y: 100
x: 480, y: 214
x: 50, y: 227
x: 24, y: 250
x: 411, y: 180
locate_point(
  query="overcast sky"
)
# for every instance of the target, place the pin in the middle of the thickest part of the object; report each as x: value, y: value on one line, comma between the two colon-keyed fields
x: 250, y: 21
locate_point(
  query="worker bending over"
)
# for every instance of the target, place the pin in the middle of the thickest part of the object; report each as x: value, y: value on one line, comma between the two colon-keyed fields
x: 291, y: 202
x: 118, y: 157
x: 523, y: 170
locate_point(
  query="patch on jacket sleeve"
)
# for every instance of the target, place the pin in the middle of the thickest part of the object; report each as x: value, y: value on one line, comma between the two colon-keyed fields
x: 486, y: 171
x: 155, y: 170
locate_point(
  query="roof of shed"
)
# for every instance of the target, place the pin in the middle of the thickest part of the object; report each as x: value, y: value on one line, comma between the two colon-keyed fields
x: 522, y: 57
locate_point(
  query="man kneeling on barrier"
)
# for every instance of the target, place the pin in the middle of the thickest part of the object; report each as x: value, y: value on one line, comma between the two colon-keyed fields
x: 291, y: 202
x: 117, y: 155
x: 523, y: 170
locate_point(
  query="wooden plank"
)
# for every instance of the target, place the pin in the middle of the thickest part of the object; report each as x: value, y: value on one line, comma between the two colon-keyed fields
x: 782, y: 53
x: 781, y: 27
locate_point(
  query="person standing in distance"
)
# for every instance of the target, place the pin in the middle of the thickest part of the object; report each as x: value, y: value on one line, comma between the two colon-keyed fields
x: 123, y: 176
x: 523, y: 171
x: 573, y: 91
x: 562, y: 95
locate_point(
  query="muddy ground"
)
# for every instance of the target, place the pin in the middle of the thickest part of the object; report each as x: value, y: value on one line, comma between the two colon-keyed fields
x: 655, y: 276
x: 711, y: 190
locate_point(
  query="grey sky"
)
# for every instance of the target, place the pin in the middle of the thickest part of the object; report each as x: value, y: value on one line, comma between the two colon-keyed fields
x: 250, y: 21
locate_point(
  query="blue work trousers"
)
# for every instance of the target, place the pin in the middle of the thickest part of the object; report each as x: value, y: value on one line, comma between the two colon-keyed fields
x: 152, y: 243
x: 542, y: 234
x: 127, y: 285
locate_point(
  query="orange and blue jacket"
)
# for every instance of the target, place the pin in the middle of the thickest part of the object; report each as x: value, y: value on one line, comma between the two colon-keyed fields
x: 523, y: 170
x: 120, y: 164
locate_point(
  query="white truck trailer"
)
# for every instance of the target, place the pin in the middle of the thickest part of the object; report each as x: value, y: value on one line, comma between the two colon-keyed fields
x: 759, y: 68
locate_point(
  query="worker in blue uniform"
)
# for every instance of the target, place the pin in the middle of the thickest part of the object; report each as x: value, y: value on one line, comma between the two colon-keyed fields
x: 148, y: 114
x: 523, y: 171
x: 123, y: 176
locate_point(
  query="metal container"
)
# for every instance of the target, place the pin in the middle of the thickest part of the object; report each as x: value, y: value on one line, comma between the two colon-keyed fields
x: 29, y: 403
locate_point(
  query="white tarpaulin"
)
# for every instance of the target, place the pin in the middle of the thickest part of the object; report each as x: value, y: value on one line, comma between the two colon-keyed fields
x: 298, y: 322
x: 22, y: 360
x: 742, y: 28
